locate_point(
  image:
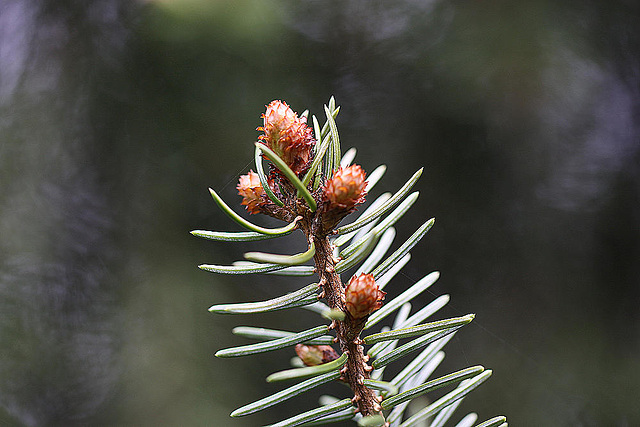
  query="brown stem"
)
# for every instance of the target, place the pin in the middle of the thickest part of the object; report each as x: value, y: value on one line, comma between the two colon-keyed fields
x: 347, y: 331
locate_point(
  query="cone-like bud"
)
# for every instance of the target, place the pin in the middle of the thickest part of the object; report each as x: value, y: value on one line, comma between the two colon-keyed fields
x: 347, y: 187
x: 287, y: 135
x: 250, y: 188
x: 362, y: 296
x: 313, y: 355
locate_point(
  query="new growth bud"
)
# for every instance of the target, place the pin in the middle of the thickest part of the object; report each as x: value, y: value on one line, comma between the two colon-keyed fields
x: 347, y: 187
x: 287, y: 135
x: 250, y: 188
x: 313, y: 355
x: 362, y: 296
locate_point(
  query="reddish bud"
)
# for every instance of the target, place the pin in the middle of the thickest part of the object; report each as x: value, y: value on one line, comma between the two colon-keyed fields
x: 347, y: 187
x: 313, y: 355
x: 287, y: 135
x: 250, y: 188
x: 362, y: 296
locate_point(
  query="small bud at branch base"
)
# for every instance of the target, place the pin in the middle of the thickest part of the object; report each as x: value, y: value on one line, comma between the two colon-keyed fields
x: 313, y: 355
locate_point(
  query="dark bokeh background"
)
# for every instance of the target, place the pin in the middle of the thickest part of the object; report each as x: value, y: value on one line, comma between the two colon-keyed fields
x: 116, y: 116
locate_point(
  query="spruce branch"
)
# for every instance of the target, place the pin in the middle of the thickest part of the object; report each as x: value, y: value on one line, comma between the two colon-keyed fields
x: 312, y: 187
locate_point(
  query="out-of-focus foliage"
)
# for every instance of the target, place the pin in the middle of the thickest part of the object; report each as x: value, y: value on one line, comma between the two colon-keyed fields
x: 114, y: 115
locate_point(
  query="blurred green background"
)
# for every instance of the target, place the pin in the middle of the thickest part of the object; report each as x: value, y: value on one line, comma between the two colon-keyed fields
x: 116, y: 116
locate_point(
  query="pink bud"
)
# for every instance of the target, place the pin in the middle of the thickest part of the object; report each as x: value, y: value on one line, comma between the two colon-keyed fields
x: 287, y: 135
x: 347, y: 187
x: 250, y: 188
x: 362, y: 296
